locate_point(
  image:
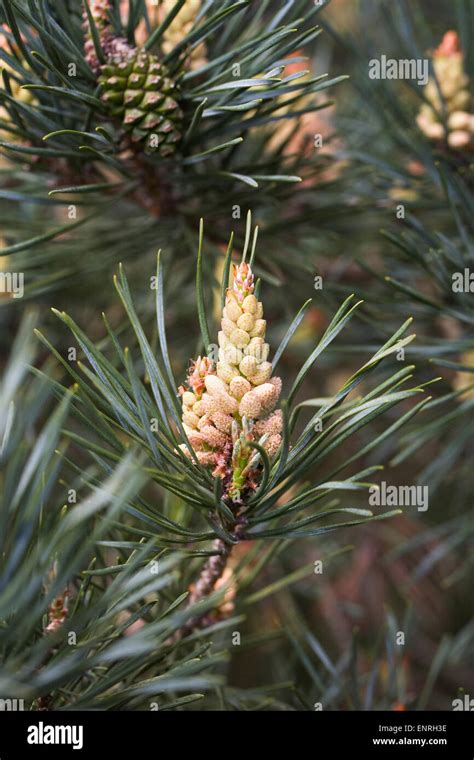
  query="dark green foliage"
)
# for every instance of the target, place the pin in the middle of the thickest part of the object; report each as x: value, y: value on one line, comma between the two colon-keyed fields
x: 224, y: 119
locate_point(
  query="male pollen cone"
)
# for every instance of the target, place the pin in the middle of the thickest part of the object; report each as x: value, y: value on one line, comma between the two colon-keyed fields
x: 448, y: 64
x: 227, y: 406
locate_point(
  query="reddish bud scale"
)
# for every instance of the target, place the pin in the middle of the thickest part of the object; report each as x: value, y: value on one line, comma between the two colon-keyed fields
x: 243, y: 281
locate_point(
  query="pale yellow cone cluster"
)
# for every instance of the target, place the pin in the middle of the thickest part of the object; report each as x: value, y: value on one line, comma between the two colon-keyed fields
x: 20, y: 95
x: 448, y: 63
x: 180, y: 27
x: 223, y: 407
x: 203, y: 436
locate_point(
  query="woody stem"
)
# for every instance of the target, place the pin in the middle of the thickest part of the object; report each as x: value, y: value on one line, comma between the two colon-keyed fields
x: 211, y: 572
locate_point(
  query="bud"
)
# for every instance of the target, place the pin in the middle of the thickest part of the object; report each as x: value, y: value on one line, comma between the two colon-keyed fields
x: 239, y: 386
x: 199, y: 370
x: 248, y: 366
x: 57, y: 613
x: 225, y: 371
x: 243, y: 283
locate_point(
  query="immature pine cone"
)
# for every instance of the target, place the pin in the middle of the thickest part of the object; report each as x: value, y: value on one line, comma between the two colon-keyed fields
x: 448, y: 63
x: 136, y: 87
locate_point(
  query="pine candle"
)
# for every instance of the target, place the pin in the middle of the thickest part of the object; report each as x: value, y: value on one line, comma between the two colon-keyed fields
x: 230, y: 407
